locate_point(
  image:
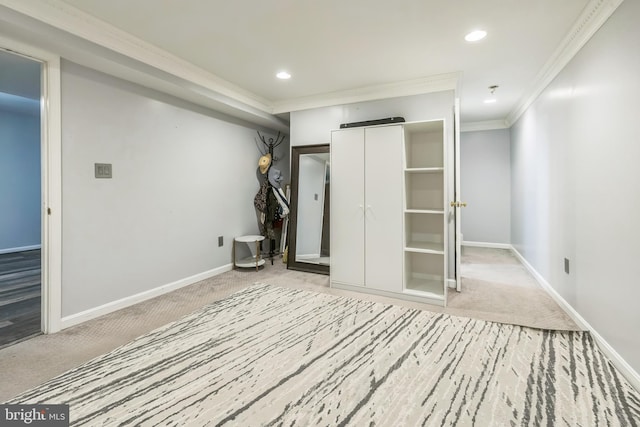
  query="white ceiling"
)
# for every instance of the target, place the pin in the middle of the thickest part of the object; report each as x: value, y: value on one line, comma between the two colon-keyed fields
x: 336, y: 45
x: 335, y: 48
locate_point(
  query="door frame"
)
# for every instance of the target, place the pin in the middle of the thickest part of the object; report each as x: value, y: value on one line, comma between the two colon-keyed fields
x: 457, y: 196
x: 51, y: 181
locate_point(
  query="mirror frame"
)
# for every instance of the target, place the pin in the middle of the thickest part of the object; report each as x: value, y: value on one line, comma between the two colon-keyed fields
x: 292, y: 264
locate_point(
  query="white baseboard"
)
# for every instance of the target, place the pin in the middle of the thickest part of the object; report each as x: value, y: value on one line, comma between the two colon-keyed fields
x: 93, y: 313
x: 625, y: 369
x: 451, y: 283
x: 487, y: 245
x: 20, y: 249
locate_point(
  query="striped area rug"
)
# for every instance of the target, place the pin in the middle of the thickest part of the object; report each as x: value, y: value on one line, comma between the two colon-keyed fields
x: 275, y: 356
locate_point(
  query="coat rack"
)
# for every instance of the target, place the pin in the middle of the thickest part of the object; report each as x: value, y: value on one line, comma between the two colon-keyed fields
x: 270, y: 202
x: 270, y: 144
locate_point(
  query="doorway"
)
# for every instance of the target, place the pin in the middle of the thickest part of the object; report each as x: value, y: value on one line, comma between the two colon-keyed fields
x: 21, y: 195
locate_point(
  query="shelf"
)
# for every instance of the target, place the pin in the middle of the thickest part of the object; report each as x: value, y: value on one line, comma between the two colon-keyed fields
x: 424, y: 233
x: 249, y: 239
x: 424, y: 145
x: 424, y: 271
x: 425, y: 191
x: 249, y: 262
x: 424, y: 211
x: 425, y: 225
x: 425, y: 247
x: 435, y: 288
x: 424, y: 170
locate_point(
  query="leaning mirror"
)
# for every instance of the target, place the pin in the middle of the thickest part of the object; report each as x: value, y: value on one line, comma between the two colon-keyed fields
x: 309, y: 221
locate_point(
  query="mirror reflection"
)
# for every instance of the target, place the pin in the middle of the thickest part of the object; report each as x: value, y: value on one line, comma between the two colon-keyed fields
x: 312, y: 229
x: 308, y: 248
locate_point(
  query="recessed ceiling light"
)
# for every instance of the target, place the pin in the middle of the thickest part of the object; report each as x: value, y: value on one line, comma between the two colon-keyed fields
x: 474, y: 36
x: 490, y: 101
x: 283, y: 75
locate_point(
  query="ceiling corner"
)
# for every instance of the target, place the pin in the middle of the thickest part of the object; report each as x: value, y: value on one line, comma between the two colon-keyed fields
x: 593, y: 16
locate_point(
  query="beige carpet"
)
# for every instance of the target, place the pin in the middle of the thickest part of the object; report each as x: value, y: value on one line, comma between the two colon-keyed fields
x: 497, y: 287
x: 29, y: 363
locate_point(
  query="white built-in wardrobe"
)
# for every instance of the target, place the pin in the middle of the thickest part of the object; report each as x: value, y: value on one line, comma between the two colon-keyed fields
x: 389, y: 222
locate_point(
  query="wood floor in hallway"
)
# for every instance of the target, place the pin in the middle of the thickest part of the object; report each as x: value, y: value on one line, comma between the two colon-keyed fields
x: 20, y: 294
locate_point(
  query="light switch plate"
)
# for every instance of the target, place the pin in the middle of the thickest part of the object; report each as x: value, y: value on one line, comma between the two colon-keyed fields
x: 103, y: 170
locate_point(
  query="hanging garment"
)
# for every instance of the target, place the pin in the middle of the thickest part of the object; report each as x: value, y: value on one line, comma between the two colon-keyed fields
x: 272, y: 215
x: 260, y: 203
x: 282, y: 201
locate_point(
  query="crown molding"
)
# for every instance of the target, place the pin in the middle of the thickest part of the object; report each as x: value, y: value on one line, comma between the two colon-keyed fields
x: 435, y: 83
x: 593, y: 16
x: 484, y: 125
x: 80, y: 24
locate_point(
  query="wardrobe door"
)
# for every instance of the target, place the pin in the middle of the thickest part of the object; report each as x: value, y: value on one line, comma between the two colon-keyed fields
x: 347, y: 206
x: 384, y: 208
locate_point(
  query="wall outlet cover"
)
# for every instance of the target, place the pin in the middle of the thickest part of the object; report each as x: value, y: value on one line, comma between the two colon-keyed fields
x: 220, y: 241
x: 102, y: 170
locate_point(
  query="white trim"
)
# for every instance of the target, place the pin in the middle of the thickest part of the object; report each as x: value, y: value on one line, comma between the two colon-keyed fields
x: 593, y: 16
x: 52, y: 195
x: 95, y: 312
x: 485, y: 125
x: 457, y: 196
x: 429, y: 84
x: 625, y: 369
x: 51, y: 158
x: 20, y: 249
x: 487, y: 245
x: 452, y: 283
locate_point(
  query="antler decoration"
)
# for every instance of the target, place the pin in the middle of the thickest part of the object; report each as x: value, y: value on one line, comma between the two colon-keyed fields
x: 270, y: 144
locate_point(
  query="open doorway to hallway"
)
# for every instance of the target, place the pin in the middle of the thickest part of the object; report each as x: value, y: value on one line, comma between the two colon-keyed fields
x: 20, y: 295
x: 21, y: 197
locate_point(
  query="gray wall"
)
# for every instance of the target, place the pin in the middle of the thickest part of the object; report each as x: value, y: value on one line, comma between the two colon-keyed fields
x: 181, y: 178
x: 19, y: 180
x: 485, y: 184
x: 575, y: 176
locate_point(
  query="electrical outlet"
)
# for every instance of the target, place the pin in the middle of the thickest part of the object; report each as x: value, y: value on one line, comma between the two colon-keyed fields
x: 220, y: 241
x: 566, y: 265
x: 102, y: 170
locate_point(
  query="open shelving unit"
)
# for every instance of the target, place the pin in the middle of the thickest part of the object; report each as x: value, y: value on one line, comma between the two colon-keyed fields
x: 425, y: 243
